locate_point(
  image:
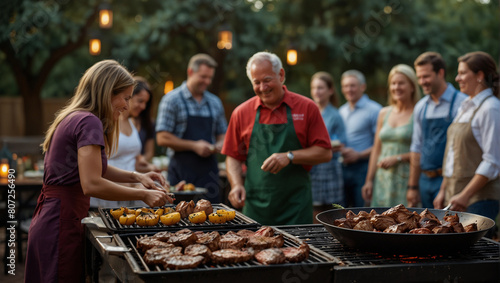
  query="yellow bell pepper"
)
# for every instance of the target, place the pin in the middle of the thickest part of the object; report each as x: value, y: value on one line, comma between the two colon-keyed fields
x: 147, y: 219
x: 127, y: 219
x: 230, y: 214
x: 145, y: 210
x: 116, y: 213
x: 217, y: 218
x: 198, y: 217
x: 170, y: 218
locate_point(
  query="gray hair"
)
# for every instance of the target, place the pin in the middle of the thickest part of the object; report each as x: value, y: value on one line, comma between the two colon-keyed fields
x: 265, y: 56
x: 354, y: 73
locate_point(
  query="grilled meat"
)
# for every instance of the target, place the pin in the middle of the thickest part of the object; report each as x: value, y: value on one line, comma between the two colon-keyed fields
x: 420, y: 231
x: 162, y: 236
x: 231, y: 240
x: 345, y: 223
x: 158, y: 254
x: 402, y: 215
x: 203, y: 205
x: 457, y: 227
x: 270, y: 256
x: 364, y: 225
x: 398, y: 228
x: 471, y: 227
x: 230, y: 256
x: 198, y: 249
x: 211, y: 240
x: 245, y: 233
x: 145, y: 243
x: 293, y: 254
x: 265, y: 231
x: 429, y: 223
x: 382, y: 222
x: 183, y: 262
x: 184, y: 238
x: 441, y: 229
x: 426, y: 214
x: 263, y: 242
x: 451, y: 218
x: 363, y: 215
x: 185, y: 208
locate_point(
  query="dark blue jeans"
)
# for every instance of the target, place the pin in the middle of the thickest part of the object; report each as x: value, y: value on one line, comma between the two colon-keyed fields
x: 487, y: 208
x: 354, y: 179
x: 429, y: 188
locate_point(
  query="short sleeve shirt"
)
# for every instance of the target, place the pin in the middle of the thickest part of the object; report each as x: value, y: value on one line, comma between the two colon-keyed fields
x: 61, y: 159
x: 307, y: 122
x: 172, y: 116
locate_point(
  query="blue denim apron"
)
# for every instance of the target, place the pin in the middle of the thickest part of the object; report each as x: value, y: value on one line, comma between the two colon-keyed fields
x: 189, y: 166
x: 431, y: 158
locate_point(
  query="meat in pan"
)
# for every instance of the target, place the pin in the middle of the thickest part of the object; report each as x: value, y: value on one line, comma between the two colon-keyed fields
x: 270, y: 256
x: 364, y: 225
x: 382, y: 222
x: 420, y: 231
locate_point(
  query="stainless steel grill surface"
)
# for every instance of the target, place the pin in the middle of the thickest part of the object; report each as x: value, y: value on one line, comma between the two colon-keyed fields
x: 480, y: 263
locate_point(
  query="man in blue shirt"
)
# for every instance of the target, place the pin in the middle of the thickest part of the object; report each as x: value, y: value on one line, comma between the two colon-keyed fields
x: 191, y: 122
x: 360, y: 115
x: 432, y: 116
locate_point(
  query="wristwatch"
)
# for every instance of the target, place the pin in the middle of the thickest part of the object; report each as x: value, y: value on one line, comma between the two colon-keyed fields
x: 290, y: 156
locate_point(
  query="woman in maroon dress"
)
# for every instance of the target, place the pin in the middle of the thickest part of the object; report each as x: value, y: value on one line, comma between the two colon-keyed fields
x: 76, y: 145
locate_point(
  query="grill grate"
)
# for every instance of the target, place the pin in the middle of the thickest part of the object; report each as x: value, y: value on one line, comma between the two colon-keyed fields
x: 316, y: 235
x: 240, y: 221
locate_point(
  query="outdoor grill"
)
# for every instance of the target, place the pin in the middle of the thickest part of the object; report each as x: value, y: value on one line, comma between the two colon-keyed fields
x: 317, y: 268
x: 480, y: 263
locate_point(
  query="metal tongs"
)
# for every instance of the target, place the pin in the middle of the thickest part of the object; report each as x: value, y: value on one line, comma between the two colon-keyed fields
x: 447, y: 207
x: 158, y: 185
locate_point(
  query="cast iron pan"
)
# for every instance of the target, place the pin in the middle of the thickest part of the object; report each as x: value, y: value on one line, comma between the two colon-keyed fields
x: 406, y: 244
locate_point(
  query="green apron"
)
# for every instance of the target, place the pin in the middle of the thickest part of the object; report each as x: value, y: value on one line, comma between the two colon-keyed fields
x: 276, y: 199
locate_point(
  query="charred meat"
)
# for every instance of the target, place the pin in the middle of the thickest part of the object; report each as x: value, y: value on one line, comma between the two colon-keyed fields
x: 263, y: 242
x: 211, y: 240
x: 203, y: 205
x: 265, y: 231
x: 230, y: 256
x: 185, y: 208
x: 293, y: 254
x: 162, y: 236
x: 184, y: 238
x: 231, y: 240
x: 183, y: 262
x: 159, y: 254
x: 471, y: 227
x: 270, y: 256
x: 398, y: 228
x: 364, y: 225
x: 145, y: 243
x: 198, y: 249
x: 382, y: 222
x: 420, y: 231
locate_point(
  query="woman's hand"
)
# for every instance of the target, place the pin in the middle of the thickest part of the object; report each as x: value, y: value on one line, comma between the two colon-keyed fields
x: 388, y: 162
x: 366, y: 191
x: 148, y: 181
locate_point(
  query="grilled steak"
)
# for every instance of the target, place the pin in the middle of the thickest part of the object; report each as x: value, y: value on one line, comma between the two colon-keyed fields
x: 203, y: 205
x: 429, y: 223
x: 184, y: 238
x: 270, y: 256
x: 230, y: 256
x: 159, y: 254
x: 442, y: 229
x: 246, y: 233
x: 265, y: 231
x: 420, y: 231
x: 364, y: 225
x: 451, y: 218
x: 198, y: 249
x: 471, y: 227
x: 211, y: 240
x: 263, y: 242
x: 162, y: 236
x: 363, y: 215
x: 426, y: 214
x: 145, y: 243
x: 293, y: 254
x: 185, y: 208
x: 345, y: 222
x: 382, y: 222
x: 231, y: 240
x: 183, y: 262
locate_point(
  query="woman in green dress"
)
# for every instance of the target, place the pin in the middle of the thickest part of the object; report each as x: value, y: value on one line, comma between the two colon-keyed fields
x: 387, y: 177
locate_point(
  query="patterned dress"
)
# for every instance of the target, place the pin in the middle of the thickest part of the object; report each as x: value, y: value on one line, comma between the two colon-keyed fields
x: 390, y: 184
x: 327, y: 182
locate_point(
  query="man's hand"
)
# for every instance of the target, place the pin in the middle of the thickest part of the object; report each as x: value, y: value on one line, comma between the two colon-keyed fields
x: 275, y: 162
x: 204, y: 148
x: 237, y: 196
x: 350, y: 155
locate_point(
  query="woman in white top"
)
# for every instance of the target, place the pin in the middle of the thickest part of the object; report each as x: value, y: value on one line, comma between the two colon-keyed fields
x: 472, y: 156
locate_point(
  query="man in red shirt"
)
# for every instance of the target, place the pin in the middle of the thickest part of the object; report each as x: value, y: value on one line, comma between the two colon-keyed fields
x: 279, y: 135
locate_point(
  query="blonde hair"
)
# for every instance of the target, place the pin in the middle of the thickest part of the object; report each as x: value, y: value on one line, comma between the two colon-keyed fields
x: 409, y: 73
x: 94, y: 92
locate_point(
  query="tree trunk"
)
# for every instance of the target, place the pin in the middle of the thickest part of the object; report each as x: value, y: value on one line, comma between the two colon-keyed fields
x: 33, y: 111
